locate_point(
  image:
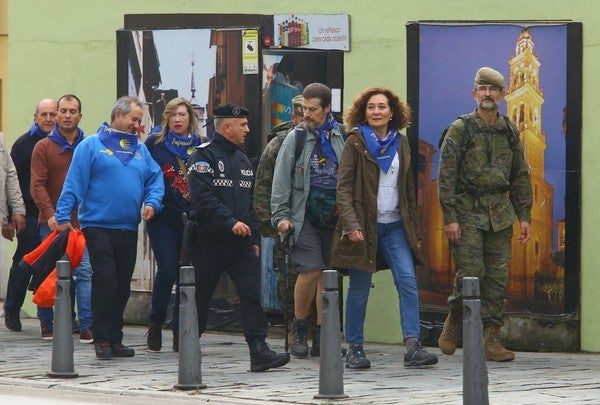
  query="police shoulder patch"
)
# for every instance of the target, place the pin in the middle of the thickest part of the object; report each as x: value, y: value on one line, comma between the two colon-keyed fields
x: 202, y: 167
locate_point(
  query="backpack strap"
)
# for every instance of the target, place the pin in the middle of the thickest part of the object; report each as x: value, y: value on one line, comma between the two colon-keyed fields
x: 300, y: 140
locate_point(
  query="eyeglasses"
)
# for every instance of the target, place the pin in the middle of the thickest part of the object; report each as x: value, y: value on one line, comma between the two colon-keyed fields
x: 491, y: 89
x: 47, y: 114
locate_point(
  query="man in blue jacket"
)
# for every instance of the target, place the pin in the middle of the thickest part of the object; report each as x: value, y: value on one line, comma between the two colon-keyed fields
x: 111, y: 176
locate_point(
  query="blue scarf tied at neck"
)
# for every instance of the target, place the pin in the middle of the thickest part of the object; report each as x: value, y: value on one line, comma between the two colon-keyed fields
x: 58, y: 138
x: 121, y: 144
x: 36, y: 130
x: 325, y: 144
x: 381, y: 150
x: 181, y: 146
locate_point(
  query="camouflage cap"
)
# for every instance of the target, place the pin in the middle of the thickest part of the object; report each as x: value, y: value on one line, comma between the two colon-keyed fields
x: 487, y: 75
x: 297, y: 105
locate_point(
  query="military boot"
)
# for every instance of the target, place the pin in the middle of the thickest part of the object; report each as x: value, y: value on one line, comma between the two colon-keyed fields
x: 262, y: 358
x: 449, y: 337
x: 299, y: 346
x: 494, y: 351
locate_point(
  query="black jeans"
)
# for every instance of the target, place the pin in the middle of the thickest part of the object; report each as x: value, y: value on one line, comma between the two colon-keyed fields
x: 112, y: 255
x: 211, y: 259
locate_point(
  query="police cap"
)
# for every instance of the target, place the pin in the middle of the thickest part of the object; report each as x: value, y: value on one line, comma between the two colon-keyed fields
x: 230, y: 111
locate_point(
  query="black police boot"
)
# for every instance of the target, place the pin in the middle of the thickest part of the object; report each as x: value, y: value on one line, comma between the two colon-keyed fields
x: 262, y: 358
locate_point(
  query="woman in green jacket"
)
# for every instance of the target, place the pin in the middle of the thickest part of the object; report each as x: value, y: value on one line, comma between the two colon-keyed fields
x: 377, y: 205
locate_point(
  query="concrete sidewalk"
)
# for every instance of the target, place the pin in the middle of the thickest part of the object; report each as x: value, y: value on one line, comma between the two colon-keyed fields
x: 533, y: 378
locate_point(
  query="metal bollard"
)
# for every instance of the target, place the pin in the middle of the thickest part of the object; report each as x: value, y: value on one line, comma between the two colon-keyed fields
x: 190, y: 358
x: 331, y: 382
x: 62, y: 338
x: 475, y: 377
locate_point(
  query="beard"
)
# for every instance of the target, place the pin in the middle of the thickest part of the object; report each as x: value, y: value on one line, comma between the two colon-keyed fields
x: 488, y: 104
x: 310, y: 125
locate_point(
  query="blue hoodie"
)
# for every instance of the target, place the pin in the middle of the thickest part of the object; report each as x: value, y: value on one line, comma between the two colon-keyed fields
x: 108, y: 193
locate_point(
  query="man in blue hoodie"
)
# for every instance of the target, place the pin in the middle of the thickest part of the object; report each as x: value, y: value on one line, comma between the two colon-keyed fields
x: 111, y: 177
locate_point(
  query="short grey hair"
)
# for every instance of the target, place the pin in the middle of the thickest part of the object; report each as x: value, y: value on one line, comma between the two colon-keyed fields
x: 123, y: 104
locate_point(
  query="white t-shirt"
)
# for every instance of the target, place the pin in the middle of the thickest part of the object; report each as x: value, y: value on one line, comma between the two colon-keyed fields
x: 388, y: 210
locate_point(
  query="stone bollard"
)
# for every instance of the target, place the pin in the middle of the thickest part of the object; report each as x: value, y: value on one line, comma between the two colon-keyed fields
x: 62, y: 338
x: 475, y: 377
x: 331, y: 381
x: 190, y: 358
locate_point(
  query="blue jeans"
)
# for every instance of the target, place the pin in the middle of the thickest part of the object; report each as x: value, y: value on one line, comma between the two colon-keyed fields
x: 82, y: 276
x: 166, y: 236
x: 395, y: 249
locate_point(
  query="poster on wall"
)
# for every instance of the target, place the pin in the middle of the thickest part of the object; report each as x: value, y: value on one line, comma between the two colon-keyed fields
x: 312, y: 31
x: 541, y: 100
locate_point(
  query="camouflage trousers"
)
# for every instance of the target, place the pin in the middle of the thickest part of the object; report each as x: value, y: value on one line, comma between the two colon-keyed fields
x: 485, y: 255
x: 285, y: 287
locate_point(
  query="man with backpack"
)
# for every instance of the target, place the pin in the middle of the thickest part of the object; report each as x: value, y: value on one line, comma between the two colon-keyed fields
x: 303, y: 200
x: 262, y: 209
x: 483, y: 182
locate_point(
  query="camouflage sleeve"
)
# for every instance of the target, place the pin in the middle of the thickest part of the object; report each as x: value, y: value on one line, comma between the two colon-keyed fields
x: 450, y: 155
x: 262, y: 189
x: 521, y: 195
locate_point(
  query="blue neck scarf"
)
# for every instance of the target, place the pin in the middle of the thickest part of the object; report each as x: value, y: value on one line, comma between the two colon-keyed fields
x: 381, y: 150
x: 325, y: 145
x: 181, y: 146
x: 36, y: 130
x: 121, y: 144
x: 58, y: 138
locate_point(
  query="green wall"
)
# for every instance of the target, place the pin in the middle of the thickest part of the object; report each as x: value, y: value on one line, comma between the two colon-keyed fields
x: 59, y: 46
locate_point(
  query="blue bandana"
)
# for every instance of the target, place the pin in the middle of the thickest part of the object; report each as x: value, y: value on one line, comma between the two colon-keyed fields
x: 181, y: 146
x: 58, y: 138
x: 381, y: 150
x: 325, y: 144
x: 36, y: 130
x: 121, y: 144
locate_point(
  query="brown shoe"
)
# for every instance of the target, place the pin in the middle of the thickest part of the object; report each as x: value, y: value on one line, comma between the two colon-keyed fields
x: 494, y: 351
x: 449, y: 337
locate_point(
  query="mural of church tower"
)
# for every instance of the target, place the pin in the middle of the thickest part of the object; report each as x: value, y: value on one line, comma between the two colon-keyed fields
x: 524, y: 101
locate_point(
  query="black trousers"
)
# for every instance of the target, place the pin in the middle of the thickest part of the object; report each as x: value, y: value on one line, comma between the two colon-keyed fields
x: 237, y: 258
x: 112, y: 255
x: 18, y: 279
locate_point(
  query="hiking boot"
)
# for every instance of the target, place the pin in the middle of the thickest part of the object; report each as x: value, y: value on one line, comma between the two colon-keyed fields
x: 86, y: 336
x: 416, y: 355
x: 74, y: 327
x: 494, y: 351
x: 47, y: 330
x: 176, y: 341
x: 299, y: 346
x: 154, y: 339
x: 356, y: 358
x: 262, y: 358
x: 12, y: 320
x: 449, y: 337
x: 315, y: 350
x: 120, y: 350
x: 103, y: 351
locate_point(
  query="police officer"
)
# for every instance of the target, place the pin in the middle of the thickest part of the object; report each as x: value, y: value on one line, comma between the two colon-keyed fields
x: 221, y: 178
x: 483, y: 183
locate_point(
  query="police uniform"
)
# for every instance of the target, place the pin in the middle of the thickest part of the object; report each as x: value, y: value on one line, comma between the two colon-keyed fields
x: 221, y: 177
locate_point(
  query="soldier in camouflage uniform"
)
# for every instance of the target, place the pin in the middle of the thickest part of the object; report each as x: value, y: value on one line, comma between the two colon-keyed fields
x: 483, y: 182
x: 262, y: 209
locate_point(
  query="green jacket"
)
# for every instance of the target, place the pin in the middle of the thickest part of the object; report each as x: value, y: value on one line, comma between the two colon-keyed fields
x: 358, y: 183
x: 263, y: 182
x: 485, y: 182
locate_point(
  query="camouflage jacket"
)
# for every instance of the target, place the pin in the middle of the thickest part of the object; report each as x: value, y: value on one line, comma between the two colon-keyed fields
x: 264, y: 178
x: 485, y: 184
